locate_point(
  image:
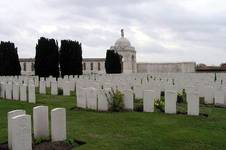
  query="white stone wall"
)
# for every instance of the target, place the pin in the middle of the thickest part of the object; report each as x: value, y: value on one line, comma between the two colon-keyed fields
x: 166, y: 67
x: 129, y: 66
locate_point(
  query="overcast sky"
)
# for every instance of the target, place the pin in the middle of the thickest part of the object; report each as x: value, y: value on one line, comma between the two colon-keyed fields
x: 160, y: 30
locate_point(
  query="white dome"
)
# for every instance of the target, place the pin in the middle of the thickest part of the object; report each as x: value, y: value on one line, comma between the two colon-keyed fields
x: 122, y: 43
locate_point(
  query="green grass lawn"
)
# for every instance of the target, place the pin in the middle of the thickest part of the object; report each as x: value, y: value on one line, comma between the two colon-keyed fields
x: 131, y: 130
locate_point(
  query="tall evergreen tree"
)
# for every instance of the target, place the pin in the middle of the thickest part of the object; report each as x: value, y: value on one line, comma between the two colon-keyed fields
x: 9, y: 60
x: 113, y: 62
x: 47, y: 58
x: 70, y: 58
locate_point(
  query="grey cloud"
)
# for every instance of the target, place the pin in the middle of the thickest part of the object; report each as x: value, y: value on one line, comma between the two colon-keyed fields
x: 96, y: 23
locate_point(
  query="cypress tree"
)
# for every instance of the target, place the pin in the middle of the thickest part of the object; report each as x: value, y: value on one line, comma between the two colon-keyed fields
x: 113, y: 62
x: 9, y: 60
x: 70, y: 58
x: 47, y: 58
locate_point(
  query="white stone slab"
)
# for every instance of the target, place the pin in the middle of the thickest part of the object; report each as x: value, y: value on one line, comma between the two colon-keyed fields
x: 91, y: 95
x: 41, y: 121
x: 54, y: 87
x: 148, y: 102
x: 81, y: 97
x: 102, y: 101
x: 42, y: 86
x: 193, y: 103
x: 23, y: 92
x: 21, y: 133
x: 9, y: 88
x: 31, y: 94
x: 170, y: 102
x: 128, y: 99
x: 58, y: 124
x: 12, y: 114
x: 16, y: 91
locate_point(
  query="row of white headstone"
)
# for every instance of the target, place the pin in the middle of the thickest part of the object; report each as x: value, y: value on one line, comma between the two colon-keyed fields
x: 15, y: 91
x: 20, y: 126
x: 98, y: 99
x: 66, y: 86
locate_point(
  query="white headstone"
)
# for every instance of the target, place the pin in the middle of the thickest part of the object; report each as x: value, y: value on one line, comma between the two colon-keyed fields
x: 193, y: 103
x: 138, y: 91
x: 102, y: 101
x: 42, y: 86
x: 12, y: 114
x: 128, y: 99
x: 149, y: 99
x: 81, y: 97
x: 23, y: 92
x: 16, y: 91
x: 3, y: 89
x: 66, y: 88
x: 170, y: 102
x: 41, y: 122
x: 91, y: 94
x: 54, y: 88
x: 21, y: 133
x: 31, y: 94
x: 58, y: 124
x: 219, y: 96
x: 9, y: 88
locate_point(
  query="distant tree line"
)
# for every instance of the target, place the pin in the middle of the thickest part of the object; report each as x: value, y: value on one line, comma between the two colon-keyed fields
x: 113, y: 62
x: 9, y: 61
x: 50, y: 59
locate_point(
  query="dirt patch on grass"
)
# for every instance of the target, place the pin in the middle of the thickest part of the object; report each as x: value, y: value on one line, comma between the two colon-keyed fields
x: 48, y: 145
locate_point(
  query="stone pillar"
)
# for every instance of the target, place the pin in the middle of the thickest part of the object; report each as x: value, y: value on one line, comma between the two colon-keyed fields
x: 58, y: 124
x: 23, y: 92
x: 149, y: 99
x: 16, y: 91
x: 193, y: 103
x: 12, y: 114
x: 31, y: 94
x: 54, y: 88
x: 41, y: 121
x: 170, y: 102
x: 42, y: 86
x: 21, y: 133
x: 128, y: 99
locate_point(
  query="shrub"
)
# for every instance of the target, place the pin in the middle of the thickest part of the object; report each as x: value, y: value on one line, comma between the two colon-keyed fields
x: 138, y: 104
x: 60, y: 91
x: 181, y: 97
x: 115, y: 101
x: 40, y: 140
x: 160, y: 104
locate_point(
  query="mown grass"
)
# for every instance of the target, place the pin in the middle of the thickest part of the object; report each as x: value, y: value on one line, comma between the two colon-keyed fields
x: 131, y: 130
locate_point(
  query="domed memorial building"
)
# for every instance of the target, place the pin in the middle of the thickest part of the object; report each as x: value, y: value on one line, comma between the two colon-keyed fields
x: 128, y: 53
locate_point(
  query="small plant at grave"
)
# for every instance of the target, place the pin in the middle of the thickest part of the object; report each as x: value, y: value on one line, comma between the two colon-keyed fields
x: 138, y: 104
x: 160, y: 104
x: 181, y: 97
x: 115, y: 101
x: 69, y: 141
x: 40, y: 140
x: 60, y: 91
